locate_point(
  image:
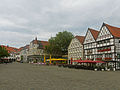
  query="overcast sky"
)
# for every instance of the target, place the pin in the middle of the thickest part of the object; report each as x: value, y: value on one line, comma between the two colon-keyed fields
x: 22, y: 20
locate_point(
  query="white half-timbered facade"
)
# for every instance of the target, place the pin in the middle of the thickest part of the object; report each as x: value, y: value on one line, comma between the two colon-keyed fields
x: 75, y: 49
x: 108, y: 45
x: 90, y: 50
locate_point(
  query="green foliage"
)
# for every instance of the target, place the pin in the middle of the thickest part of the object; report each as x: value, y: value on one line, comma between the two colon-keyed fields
x: 34, y: 61
x: 59, y: 45
x: 3, y: 52
x: 54, y: 63
x: 47, y: 63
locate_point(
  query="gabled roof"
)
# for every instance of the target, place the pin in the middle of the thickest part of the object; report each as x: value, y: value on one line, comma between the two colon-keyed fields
x: 23, y: 48
x: 94, y: 33
x: 80, y: 38
x: 35, y: 41
x: 27, y: 47
x: 20, y: 49
x: 115, y: 31
x: 41, y: 44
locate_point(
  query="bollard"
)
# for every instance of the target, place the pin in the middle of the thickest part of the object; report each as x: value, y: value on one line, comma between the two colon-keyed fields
x: 102, y: 69
x: 113, y: 69
x: 95, y: 69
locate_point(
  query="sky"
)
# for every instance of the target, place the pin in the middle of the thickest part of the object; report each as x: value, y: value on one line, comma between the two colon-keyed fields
x: 23, y: 20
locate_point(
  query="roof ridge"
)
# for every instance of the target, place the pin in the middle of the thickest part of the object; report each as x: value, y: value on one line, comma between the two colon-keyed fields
x: 111, y: 26
x: 80, y: 38
x: 92, y: 29
x: 94, y: 32
x: 115, y: 31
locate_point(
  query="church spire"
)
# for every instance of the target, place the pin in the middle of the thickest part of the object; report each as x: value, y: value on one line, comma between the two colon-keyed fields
x: 35, y: 41
x: 36, y: 38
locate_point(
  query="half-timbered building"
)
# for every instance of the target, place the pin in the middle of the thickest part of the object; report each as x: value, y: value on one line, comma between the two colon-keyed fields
x: 108, y: 45
x: 90, y: 50
x: 75, y: 49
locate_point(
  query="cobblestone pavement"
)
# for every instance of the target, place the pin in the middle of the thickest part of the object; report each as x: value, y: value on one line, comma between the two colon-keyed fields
x: 18, y: 76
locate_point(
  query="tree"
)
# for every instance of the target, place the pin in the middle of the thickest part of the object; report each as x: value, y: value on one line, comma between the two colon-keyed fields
x: 58, y: 45
x: 3, y: 52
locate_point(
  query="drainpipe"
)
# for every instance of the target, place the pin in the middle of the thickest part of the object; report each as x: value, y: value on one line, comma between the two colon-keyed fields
x: 71, y: 61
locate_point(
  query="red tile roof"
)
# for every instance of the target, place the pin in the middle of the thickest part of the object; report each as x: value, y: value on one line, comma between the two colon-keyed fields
x: 44, y: 43
x: 21, y: 48
x: 115, y: 31
x: 41, y: 44
x: 35, y: 41
x: 10, y: 49
x: 80, y: 38
x: 94, y: 33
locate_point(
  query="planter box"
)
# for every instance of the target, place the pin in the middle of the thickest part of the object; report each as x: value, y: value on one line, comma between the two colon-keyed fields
x: 107, y: 58
x: 108, y: 49
x: 98, y: 58
x: 104, y: 50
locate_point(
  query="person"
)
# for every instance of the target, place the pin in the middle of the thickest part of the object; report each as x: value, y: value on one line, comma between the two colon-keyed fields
x: 5, y: 61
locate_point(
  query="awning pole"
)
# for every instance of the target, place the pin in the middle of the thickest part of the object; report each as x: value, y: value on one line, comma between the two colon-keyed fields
x: 71, y: 61
x: 44, y: 59
x: 50, y: 59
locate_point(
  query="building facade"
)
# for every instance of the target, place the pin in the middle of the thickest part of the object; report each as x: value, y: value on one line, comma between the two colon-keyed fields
x: 37, y: 50
x: 108, y: 45
x: 75, y: 49
x: 12, y: 52
x: 90, y: 50
x: 24, y: 53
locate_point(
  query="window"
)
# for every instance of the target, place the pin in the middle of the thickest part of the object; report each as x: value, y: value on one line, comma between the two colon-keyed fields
x: 118, y: 56
x: 119, y: 41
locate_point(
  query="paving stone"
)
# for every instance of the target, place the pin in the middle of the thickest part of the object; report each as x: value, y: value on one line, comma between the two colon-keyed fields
x: 20, y: 76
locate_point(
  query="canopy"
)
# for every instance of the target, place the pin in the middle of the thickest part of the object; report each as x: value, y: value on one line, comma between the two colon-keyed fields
x: 5, y: 58
x: 57, y: 59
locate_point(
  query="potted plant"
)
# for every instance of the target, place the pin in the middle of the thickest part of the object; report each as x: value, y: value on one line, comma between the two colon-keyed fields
x: 54, y: 63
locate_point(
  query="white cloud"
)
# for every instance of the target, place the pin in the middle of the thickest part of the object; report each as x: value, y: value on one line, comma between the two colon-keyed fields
x: 22, y: 20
